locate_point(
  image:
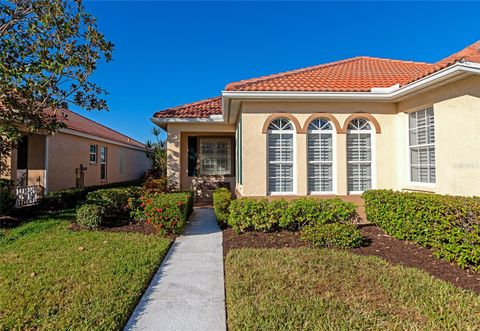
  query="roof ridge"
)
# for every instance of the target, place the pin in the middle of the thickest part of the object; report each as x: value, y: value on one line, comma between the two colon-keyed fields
x: 102, y: 125
x: 244, y: 82
x: 394, y: 60
x: 455, y: 56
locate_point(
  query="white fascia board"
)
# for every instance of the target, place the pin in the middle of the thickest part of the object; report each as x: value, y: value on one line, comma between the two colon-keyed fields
x: 450, y: 72
x: 165, y: 120
x: 93, y: 137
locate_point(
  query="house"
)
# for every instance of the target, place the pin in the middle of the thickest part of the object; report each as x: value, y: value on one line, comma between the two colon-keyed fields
x: 85, y: 153
x: 335, y: 129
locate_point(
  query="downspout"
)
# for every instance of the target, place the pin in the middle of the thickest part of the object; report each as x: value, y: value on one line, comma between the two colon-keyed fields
x: 45, y: 178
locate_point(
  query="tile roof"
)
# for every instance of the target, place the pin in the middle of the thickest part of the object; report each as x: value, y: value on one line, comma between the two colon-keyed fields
x: 198, y: 109
x: 358, y: 74
x: 82, y: 124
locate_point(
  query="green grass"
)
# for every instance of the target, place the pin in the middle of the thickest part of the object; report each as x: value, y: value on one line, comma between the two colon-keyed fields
x: 315, y: 289
x: 93, y: 289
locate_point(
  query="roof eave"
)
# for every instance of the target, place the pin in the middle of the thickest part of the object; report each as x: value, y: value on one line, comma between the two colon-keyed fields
x: 389, y: 96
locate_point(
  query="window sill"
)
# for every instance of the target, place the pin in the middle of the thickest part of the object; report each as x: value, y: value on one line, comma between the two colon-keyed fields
x: 322, y: 193
x: 419, y: 187
x: 281, y: 193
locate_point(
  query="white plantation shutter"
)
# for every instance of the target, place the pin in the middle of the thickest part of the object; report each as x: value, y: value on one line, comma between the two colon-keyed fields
x: 422, y: 146
x: 280, y: 156
x: 359, y: 155
x: 320, y: 156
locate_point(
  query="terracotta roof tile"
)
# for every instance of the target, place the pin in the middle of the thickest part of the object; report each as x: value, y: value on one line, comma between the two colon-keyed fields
x: 82, y: 124
x: 358, y: 74
x: 198, y: 109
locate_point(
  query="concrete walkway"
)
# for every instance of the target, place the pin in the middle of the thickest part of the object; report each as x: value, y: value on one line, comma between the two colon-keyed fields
x: 187, y: 292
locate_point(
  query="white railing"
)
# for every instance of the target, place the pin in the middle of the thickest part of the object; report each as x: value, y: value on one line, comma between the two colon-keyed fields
x: 28, y: 195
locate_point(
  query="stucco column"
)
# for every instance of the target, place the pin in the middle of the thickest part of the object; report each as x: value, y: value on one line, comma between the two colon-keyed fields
x: 341, y: 164
x: 173, y: 156
x: 301, y: 163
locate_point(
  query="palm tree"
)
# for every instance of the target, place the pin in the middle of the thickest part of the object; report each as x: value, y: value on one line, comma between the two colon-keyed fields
x: 157, y: 152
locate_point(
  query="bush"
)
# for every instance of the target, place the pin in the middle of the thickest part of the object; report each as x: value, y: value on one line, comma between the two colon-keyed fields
x: 115, y: 200
x: 159, y: 185
x: 167, y: 211
x: 449, y: 225
x: 90, y: 216
x: 7, y: 199
x: 304, y: 211
x: 63, y: 199
x: 249, y: 214
x: 70, y: 198
x: 221, y: 202
x: 333, y: 235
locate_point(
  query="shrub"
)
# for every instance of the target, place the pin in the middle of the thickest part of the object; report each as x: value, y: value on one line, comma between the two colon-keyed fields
x: 221, y: 202
x: 304, y: 211
x: 167, y: 211
x: 90, y: 216
x: 63, y: 199
x: 333, y: 235
x: 450, y: 225
x: 157, y: 185
x: 7, y: 199
x: 114, y: 200
x: 70, y: 198
x: 249, y: 214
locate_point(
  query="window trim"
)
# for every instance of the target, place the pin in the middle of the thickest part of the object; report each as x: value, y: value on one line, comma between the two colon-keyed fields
x: 333, y: 132
x: 232, y: 156
x: 90, y: 154
x: 103, y: 163
x: 410, y: 183
x: 293, y: 132
x: 373, y: 168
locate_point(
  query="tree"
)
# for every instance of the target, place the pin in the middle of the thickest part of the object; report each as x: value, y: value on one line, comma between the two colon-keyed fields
x: 48, y: 52
x: 157, y: 153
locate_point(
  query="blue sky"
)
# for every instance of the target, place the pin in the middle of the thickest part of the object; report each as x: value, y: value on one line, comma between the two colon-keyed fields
x: 171, y: 53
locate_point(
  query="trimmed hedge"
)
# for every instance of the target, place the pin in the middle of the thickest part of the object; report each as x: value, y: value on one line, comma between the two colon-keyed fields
x: 450, y: 225
x: 221, y: 202
x: 70, y: 198
x: 249, y: 214
x: 167, y: 211
x: 333, y: 235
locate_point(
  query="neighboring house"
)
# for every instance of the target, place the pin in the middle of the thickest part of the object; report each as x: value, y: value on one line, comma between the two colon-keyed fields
x: 337, y: 128
x: 85, y: 153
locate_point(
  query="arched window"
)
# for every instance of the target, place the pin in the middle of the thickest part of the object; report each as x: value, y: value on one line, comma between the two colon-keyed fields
x: 359, y: 155
x: 320, y: 156
x: 280, y: 156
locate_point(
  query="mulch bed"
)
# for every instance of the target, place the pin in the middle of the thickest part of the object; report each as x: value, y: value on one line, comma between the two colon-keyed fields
x: 141, y: 227
x: 380, y: 244
x: 282, y: 239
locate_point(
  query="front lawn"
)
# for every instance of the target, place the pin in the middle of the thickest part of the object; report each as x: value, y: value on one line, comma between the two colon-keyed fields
x: 320, y: 289
x: 52, y: 278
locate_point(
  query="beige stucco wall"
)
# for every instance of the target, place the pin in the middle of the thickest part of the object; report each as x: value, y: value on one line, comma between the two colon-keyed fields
x: 254, y: 115
x: 457, y: 129
x: 66, y: 152
x: 177, y: 156
x: 456, y: 109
